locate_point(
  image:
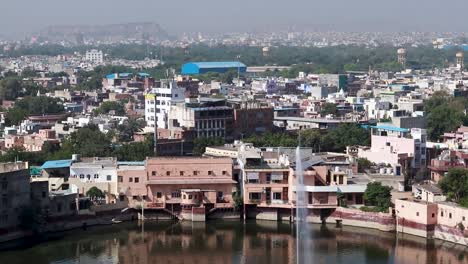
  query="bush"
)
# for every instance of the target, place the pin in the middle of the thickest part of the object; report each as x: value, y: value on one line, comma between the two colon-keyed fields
x: 378, y: 195
x: 370, y: 209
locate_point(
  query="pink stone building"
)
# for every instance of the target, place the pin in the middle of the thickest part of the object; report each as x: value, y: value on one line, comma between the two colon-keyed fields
x: 443, y: 220
x: 448, y: 159
x: 178, y: 184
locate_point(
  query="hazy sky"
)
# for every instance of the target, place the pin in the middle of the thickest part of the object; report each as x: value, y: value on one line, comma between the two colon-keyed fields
x: 176, y: 16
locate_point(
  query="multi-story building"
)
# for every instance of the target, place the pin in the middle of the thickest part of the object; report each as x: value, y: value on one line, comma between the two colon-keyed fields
x: 94, y: 56
x: 208, y: 118
x: 402, y: 148
x: 447, y: 160
x: 159, y: 101
x: 86, y: 173
x: 180, y: 184
x: 131, y: 178
x: 251, y: 118
x: 15, y: 193
x: 268, y: 180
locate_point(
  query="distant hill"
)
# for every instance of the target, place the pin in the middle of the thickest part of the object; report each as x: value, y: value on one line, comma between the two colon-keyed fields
x: 113, y: 32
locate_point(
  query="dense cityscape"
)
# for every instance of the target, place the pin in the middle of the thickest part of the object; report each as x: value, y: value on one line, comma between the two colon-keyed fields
x: 107, y: 124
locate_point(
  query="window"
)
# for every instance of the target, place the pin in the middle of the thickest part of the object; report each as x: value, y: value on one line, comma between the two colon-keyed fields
x: 220, y: 195
x: 137, y: 180
x: 96, y: 176
x: 119, y: 178
x: 81, y: 176
x: 44, y: 194
x: 175, y: 194
x: 463, y: 218
x: 88, y: 176
x: 417, y: 213
x: 153, y: 173
x: 210, y: 172
x: 195, y: 173
x: 109, y: 178
x: 224, y: 172
x: 450, y: 215
x: 168, y: 173
x: 442, y: 213
x: 433, y: 215
x: 276, y: 196
x: 181, y: 173
x: 158, y: 195
x: 255, y: 196
x: 190, y: 197
x: 130, y: 179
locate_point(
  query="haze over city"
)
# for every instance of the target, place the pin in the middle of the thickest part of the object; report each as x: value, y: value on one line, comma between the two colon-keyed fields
x: 26, y: 16
x: 248, y: 131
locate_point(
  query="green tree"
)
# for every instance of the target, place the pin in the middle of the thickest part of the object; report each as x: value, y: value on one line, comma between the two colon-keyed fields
x: 15, y: 115
x: 106, y: 107
x: 329, y: 109
x: 346, y: 135
x: 455, y: 185
x: 10, y: 88
x: 135, y: 151
x: 95, y: 193
x: 129, y: 128
x: 364, y: 164
x: 87, y: 141
x: 378, y: 195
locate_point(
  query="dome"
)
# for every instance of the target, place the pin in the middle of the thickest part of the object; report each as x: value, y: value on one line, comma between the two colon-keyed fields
x: 401, y: 51
x: 460, y: 55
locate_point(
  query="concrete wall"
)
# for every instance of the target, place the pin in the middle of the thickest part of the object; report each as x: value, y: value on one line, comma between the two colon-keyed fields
x: 358, y: 218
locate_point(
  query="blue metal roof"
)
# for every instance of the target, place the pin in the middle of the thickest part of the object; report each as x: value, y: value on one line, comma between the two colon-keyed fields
x: 56, y: 164
x: 391, y: 128
x: 120, y: 75
x: 212, y: 66
x: 220, y: 64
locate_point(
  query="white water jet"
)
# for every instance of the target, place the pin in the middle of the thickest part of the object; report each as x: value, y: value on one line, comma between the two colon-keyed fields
x: 303, y: 234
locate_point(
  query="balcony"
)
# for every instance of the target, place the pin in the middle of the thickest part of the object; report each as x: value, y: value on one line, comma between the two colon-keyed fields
x: 155, y: 205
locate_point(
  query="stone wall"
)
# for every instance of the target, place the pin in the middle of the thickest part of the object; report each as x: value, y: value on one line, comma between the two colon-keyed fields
x: 358, y: 218
x: 452, y: 234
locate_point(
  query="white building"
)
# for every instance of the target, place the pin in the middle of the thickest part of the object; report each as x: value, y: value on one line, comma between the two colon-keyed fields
x: 94, y: 172
x: 160, y: 100
x: 94, y: 56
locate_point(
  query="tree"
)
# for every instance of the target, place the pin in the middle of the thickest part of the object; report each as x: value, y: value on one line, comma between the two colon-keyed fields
x: 455, y: 185
x: 106, y: 107
x: 10, y: 88
x: 346, y: 135
x: 364, y: 164
x: 95, y: 193
x: 129, y: 128
x: 135, y: 151
x: 87, y: 141
x: 444, y: 114
x: 329, y: 109
x: 15, y: 115
x: 378, y: 195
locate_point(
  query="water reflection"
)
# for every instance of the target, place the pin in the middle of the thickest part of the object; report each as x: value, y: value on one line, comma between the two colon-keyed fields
x: 232, y: 242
